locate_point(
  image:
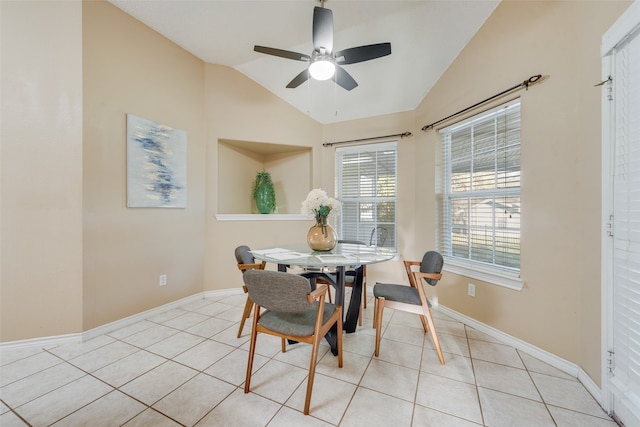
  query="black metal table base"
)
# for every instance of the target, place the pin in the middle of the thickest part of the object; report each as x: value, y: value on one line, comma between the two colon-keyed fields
x: 350, y: 317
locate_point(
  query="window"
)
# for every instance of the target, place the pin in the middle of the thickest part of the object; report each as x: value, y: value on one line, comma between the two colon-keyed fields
x: 480, y: 217
x: 366, y: 187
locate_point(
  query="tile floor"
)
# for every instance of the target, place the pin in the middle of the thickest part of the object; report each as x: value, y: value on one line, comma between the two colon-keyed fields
x: 186, y: 367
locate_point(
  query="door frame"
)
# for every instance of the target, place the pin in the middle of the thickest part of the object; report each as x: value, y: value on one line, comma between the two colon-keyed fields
x: 628, y: 22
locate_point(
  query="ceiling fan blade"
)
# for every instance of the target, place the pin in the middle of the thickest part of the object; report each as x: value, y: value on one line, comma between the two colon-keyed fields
x: 363, y: 53
x: 322, y: 29
x: 282, y: 53
x: 344, y: 79
x: 299, y: 79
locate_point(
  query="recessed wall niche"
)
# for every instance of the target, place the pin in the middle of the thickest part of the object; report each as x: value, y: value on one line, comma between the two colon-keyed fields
x: 238, y: 163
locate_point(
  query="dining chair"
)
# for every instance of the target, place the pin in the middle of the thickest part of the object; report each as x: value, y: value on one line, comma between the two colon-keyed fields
x: 246, y: 261
x: 292, y: 312
x: 410, y: 298
x: 352, y: 275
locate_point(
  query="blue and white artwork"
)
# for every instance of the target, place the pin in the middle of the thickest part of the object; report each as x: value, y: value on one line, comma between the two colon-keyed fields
x: 156, y: 165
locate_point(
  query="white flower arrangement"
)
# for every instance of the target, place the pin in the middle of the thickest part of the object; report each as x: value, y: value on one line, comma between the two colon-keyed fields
x: 319, y: 204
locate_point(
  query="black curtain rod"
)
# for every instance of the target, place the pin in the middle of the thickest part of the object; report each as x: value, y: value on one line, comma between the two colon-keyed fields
x: 401, y: 135
x: 526, y: 83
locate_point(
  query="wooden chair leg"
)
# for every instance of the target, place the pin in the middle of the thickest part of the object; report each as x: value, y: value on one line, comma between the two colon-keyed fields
x: 379, y: 305
x: 434, y: 335
x: 245, y: 314
x: 252, y: 349
x: 312, y: 372
x: 364, y: 296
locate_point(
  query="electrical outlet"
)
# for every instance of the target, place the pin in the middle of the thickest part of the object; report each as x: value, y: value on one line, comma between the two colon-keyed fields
x: 471, y: 290
x: 163, y: 279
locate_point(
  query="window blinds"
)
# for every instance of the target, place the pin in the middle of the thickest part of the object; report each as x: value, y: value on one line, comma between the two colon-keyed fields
x: 626, y: 224
x: 480, y: 214
x: 366, y: 187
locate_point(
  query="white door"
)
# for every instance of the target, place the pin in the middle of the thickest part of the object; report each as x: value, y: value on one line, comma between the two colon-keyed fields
x: 621, y: 208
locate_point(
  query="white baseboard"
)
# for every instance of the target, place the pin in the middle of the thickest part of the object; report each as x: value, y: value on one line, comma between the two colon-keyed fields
x: 565, y: 366
x: 52, y: 341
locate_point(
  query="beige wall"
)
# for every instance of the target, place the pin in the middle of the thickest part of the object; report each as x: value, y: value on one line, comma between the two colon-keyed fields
x: 239, y: 109
x: 129, y: 68
x: 57, y: 264
x: 41, y: 171
x: 559, y: 308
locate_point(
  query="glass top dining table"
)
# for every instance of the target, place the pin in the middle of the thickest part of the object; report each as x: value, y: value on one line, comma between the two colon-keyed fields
x: 330, y: 265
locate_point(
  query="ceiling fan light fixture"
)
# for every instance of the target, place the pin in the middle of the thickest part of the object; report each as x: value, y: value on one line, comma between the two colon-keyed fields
x: 322, y: 68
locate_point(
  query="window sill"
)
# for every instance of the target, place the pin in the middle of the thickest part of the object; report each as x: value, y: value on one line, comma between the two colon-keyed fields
x: 262, y: 217
x: 494, y: 276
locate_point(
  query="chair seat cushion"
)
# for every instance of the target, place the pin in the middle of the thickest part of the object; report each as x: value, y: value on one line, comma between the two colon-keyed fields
x: 295, y: 324
x: 400, y: 293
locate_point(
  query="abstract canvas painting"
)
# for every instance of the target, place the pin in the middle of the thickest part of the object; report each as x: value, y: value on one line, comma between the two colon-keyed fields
x: 156, y: 165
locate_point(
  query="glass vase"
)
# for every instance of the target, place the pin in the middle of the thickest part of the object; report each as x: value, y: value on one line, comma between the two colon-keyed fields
x: 322, y: 237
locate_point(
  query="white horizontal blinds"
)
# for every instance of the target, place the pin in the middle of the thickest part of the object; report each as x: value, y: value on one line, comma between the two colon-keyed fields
x: 626, y: 227
x: 366, y: 187
x: 481, y: 195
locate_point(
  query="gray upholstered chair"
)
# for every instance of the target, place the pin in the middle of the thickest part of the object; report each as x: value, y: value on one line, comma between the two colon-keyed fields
x: 411, y: 298
x: 246, y: 261
x: 292, y: 312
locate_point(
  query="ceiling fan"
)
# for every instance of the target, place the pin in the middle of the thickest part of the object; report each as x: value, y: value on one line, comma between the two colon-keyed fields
x: 324, y: 63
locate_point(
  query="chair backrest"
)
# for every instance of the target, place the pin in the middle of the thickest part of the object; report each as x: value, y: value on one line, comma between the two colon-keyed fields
x: 432, y: 262
x: 277, y: 290
x: 244, y: 255
x: 351, y: 242
x: 380, y: 238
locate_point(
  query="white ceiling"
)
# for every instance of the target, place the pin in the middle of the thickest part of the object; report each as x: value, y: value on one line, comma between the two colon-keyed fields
x: 426, y: 36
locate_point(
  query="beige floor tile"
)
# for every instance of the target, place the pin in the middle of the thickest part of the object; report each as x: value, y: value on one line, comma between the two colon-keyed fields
x: 9, y: 419
x: 22, y: 368
x: 203, y: 355
x: 175, y: 344
x: 131, y: 329
x: 505, y: 379
x: 566, y: 418
x: 426, y: 417
x: 128, y: 368
x: 287, y: 417
x: 506, y: 410
x: 213, y: 326
x: 567, y: 394
x: 277, y: 381
x: 186, y: 320
x: 42, y: 382
x: 61, y: 402
x: 114, y: 409
x: 353, y: 366
x: 300, y: 354
x: 71, y: 350
x: 401, y: 333
x: 103, y: 356
x: 391, y: 379
x: 453, y: 397
x: 329, y: 398
x: 449, y: 343
x: 456, y: 367
x: 158, y: 382
x: 241, y: 409
x: 194, y: 399
x: 534, y: 365
x: 497, y: 353
x: 372, y: 409
x: 150, y: 336
x: 450, y: 327
x: 151, y: 418
x: 481, y: 336
x: 402, y: 354
x: 166, y: 315
x: 233, y: 367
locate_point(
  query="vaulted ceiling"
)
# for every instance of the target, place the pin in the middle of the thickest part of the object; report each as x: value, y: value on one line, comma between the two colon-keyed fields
x: 425, y: 36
